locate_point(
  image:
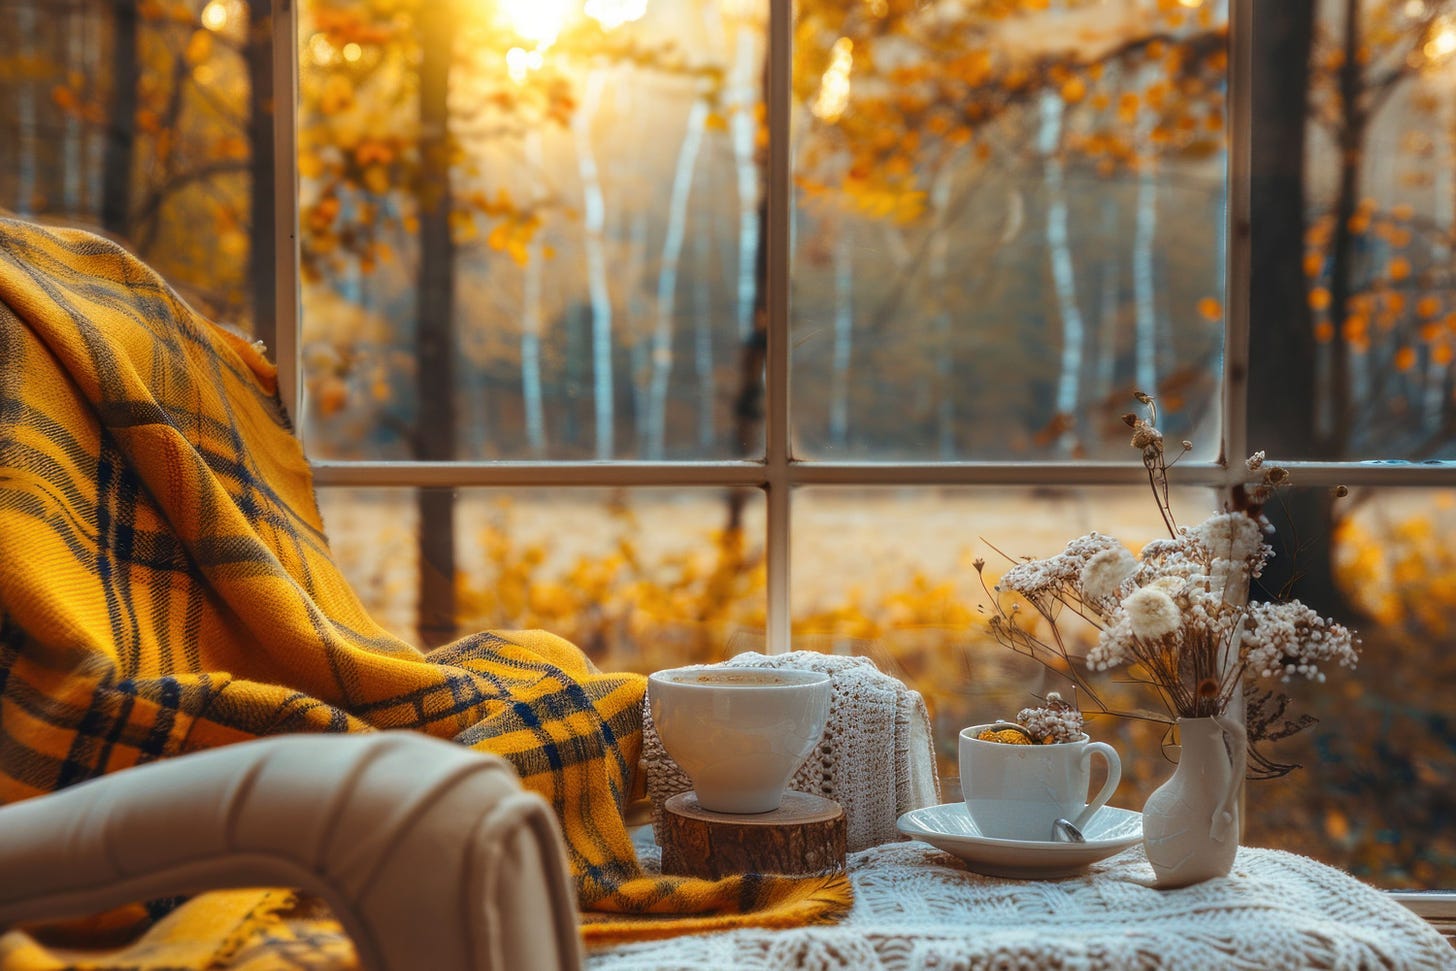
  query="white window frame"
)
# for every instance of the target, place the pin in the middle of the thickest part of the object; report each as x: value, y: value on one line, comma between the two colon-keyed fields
x: 778, y: 473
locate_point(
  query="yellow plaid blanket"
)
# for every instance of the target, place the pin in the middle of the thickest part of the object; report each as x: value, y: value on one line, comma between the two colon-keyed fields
x: 166, y: 585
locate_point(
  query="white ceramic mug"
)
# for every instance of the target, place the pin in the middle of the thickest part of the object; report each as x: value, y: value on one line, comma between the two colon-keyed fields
x: 739, y: 733
x: 1016, y: 792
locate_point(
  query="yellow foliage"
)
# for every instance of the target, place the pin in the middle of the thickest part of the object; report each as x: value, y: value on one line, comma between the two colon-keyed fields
x: 199, y: 47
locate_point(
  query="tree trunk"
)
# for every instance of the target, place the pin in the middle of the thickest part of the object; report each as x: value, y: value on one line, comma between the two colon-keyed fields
x: 1282, y: 398
x: 262, y: 251
x: 672, y: 246
x: 434, y: 438
x: 843, y: 347
x: 1333, y: 435
x: 594, y: 227
x: 1064, y: 280
x: 117, y: 162
x: 1145, y: 306
x: 703, y: 338
x: 746, y: 168
x: 28, y: 146
x: 531, y: 294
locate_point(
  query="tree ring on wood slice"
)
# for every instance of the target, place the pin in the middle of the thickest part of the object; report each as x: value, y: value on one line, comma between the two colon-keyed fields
x: 806, y: 834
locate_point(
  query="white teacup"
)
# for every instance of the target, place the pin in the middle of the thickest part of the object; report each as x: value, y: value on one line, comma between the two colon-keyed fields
x: 1016, y: 792
x: 739, y: 733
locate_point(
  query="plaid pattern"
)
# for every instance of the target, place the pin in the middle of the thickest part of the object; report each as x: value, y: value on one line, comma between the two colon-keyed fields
x: 166, y: 585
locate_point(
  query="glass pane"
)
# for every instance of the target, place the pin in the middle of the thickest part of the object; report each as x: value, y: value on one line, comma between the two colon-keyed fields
x: 1354, y: 311
x: 151, y: 123
x: 1009, y: 217
x: 889, y: 574
x: 1377, y: 793
x: 530, y: 229
x: 640, y: 579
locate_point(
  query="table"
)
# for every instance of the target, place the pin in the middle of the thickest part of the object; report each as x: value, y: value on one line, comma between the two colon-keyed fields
x: 917, y: 907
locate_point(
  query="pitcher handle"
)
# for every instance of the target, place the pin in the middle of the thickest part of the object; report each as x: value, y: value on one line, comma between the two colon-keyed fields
x: 1238, y: 752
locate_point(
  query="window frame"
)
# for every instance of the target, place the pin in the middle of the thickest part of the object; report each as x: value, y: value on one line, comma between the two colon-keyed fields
x: 779, y: 472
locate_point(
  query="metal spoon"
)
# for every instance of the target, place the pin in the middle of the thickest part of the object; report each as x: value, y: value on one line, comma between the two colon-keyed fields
x: 1064, y: 832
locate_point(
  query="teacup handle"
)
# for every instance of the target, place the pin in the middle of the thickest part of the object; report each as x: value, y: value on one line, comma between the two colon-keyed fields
x: 1114, y: 776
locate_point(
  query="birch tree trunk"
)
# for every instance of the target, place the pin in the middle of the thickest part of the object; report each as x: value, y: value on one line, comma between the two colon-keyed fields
x: 1108, y: 305
x: 531, y: 293
x: 594, y: 227
x: 842, y: 350
x: 743, y: 92
x: 1144, y: 284
x: 1068, y: 391
x: 703, y: 336
x: 672, y: 246
x: 942, y: 325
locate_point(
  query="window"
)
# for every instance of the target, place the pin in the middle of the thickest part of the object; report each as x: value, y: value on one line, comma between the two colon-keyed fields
x: 696, y: 327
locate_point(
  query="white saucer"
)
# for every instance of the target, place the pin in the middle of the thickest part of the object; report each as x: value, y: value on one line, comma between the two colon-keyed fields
x: 949, y: 827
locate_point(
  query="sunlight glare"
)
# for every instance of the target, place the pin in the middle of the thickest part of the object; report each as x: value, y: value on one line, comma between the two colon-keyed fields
x: 539, y: 21
x: 1191, y: 4
x: 321, y: 50
x: 352, y: 52
x: 612, y: 14
x: 215, y: 15
x: 521, y: 62
x: 1442, y: 42
x: 834, y: 88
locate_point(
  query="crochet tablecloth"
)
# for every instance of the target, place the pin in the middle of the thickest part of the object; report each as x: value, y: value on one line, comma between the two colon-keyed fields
x: 917, y: 907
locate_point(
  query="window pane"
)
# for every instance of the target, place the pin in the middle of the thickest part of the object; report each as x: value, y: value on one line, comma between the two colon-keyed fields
x: 1009, y: 217
x: 151, y: 123
x: 889, y: 574
x: 530, y: 229
x: 640, y: 579
x: 1354, y: 312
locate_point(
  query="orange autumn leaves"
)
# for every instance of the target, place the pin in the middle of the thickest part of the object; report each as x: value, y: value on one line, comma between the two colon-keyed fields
x: 1401, y: 302
x: 923, y: 101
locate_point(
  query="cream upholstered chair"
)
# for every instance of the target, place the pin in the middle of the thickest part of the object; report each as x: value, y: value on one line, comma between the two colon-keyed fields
x: 430, y: 854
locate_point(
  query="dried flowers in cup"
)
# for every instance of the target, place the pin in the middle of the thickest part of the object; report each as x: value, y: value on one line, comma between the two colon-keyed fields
x: 1054, y: 721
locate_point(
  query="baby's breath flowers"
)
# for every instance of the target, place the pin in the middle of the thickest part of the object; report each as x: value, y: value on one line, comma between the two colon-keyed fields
x: 1177, y: 615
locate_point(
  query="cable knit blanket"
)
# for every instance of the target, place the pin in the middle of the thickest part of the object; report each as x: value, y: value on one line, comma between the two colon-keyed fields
x: 875, y: 759
x: 917, y: 907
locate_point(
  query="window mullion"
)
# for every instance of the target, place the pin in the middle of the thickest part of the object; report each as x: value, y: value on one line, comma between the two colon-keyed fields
x: 776, y: 374
x: 1237, y: 241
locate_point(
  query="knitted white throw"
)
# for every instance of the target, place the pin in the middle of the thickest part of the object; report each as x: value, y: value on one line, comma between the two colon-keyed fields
x: 916, y: 908
x: 878, y: 730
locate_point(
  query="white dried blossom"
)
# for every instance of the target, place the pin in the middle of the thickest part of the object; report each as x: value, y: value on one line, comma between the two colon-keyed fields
x: 1232, y: 536
x: 1146, y: 437
x: 1103, y: 574
x: 1056, y: 721
x: 1289, y: 640
x: 1151, y: 613
x: 1035, y: 577
x: 1171, y: 584
x: 1255, y: 462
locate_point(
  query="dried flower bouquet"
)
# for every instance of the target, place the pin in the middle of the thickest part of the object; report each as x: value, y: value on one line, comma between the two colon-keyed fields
x: 1176, y: 616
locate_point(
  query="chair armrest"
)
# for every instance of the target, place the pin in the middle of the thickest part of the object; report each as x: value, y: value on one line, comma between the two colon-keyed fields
x: 430, y: 854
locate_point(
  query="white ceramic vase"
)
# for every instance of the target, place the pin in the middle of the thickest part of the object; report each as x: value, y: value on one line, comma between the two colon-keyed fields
x: 1191, y: 822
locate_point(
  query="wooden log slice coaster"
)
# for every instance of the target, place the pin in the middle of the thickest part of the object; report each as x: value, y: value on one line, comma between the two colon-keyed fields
x: 806, y: 834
